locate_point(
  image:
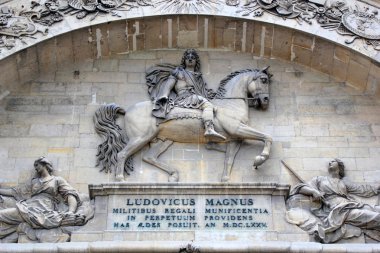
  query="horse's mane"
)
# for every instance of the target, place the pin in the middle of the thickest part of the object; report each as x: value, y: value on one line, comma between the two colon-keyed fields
x: 221, y: 90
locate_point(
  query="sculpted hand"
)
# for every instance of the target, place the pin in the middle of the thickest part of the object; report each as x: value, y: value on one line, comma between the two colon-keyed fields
x: 72, y: 219
x: 69, y: 219
x: 318, y: 196
x: 79, y: 219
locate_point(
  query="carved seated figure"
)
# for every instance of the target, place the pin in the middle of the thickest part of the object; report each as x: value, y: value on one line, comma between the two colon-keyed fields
x: 38, y: 210
x: 325, y: 208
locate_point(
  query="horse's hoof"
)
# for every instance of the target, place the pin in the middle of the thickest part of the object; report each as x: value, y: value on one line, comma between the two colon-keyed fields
x: 225, y: 179
x: 174, y: 177
x: 119, y: 178
x: 259, y: 160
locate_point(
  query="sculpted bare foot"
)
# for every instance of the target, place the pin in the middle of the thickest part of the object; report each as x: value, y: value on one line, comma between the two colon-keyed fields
x: 119, y: 178
x: 174, y: 177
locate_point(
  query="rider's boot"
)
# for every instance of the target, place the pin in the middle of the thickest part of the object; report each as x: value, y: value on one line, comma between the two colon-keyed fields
x: 208, y: 117
x: 210, y: 131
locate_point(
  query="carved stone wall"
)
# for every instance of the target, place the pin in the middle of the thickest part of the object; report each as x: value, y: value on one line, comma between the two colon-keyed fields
x: 324, y: 102
x: 312, y: 117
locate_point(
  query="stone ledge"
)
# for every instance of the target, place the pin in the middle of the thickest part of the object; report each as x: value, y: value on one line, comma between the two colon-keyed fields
x: 174, y: 246
x: 274, y: 189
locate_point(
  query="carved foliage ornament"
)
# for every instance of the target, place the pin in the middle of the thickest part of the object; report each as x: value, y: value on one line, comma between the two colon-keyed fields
x: 348, y: 20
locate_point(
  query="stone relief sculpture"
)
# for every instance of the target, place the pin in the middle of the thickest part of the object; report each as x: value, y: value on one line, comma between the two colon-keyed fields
x: 325, y: 208
x: 185, y: 7
x: 183, y: 87
x: 15, y: 25
x: 354, y: 21
x: 175, y: 114
x: 38, y: 210
x: 358, y: 20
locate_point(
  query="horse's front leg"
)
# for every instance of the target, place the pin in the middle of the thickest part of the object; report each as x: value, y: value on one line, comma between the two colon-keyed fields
x: 246, y: 132
x: 232, y: 149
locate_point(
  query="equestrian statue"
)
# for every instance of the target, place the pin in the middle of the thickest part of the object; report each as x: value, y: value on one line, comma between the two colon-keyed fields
x: 182, y: 109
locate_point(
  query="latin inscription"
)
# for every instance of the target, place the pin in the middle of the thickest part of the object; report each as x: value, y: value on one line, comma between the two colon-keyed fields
x: 190, y: 213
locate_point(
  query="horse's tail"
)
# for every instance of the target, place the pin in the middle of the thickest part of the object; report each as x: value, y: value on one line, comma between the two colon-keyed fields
x: 114, y: 138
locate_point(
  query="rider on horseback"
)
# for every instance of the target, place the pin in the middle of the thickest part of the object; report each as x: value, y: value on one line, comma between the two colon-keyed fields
x: 182, y: 87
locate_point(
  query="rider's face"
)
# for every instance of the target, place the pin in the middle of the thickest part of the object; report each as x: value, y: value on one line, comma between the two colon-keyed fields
x: 190, y: 60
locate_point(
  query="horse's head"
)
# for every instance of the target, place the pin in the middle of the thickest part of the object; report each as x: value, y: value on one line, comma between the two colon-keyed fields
x: 259, y: 88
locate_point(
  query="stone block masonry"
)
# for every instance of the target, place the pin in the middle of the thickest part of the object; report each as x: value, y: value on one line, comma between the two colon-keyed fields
x: 311, y: 117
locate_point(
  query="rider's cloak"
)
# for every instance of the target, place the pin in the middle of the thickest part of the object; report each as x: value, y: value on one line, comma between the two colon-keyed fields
x: 193, y: 97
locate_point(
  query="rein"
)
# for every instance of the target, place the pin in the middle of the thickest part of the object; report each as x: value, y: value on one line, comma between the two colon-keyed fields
x: 237, y: 98
x: 245, y: 98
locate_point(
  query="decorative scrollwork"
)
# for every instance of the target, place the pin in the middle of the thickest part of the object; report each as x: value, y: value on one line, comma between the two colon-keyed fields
x: 358, y: 22
x: 332, y: 15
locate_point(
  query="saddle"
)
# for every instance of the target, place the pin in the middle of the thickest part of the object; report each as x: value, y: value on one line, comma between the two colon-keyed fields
x: 181, y: 113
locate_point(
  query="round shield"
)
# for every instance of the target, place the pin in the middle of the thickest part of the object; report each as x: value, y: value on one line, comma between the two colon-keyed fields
x: 363, y: 24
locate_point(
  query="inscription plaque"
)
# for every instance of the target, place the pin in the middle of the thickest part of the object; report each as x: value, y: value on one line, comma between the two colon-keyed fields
x: 190, y: 212
x: 176, y: 211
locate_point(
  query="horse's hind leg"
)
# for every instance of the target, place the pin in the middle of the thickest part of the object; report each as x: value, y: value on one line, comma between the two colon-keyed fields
x: 232, y: 149
x: 154, y: 152
x: 134, y: 145
x: 247, y: 132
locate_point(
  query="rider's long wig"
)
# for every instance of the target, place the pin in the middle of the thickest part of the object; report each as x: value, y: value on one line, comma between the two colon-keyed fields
x: 114, y: 139
x: 197, y: 67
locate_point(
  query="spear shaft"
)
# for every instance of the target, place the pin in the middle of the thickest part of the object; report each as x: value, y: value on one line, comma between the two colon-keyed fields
x: 323, y: 200
x: 293, y: 172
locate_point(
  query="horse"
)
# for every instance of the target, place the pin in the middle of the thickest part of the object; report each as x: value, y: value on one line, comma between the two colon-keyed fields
x: 185, y: 126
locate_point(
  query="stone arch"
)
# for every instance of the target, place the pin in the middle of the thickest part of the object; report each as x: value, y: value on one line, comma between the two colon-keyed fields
x: 264, y: 40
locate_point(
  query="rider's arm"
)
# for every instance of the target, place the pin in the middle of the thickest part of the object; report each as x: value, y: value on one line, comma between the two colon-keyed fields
x: 170, y: 83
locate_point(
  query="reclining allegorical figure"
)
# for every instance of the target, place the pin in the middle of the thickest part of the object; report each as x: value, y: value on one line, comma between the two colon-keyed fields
x: 333, y: 213
x: 40, y: 213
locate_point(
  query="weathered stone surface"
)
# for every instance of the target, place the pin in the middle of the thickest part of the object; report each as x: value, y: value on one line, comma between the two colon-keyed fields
x: 169, y: 32
x: 64, y: 51
x: 117, y: 37
x: 342, y: 54
x: 47, y: 61
x: 83, y: 45
x: 224, y: 35
x: 303, y: 40
x: 152, y: 30
x: 132, y: 65
x: 322, y: 57
x: 282, y: 41
x: 357, y: 74
x: 339, y: 70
